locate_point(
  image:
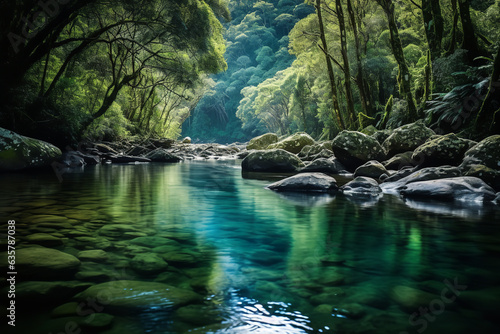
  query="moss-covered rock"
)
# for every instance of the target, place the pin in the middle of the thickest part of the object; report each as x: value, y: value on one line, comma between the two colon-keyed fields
x: 271, y: 161
x: 382, y: 135
x: 372, y: 169
x: 132, y: 296
x: 354, y: 148
x: 400, y: 161
x: 488, y: 175
x: 486, y: 152
x: 262, y: 142
x: 293, y: 143
x: 370, y: 130
x: 19, y: 152
x: 442, y: 150
x: 407, y: 138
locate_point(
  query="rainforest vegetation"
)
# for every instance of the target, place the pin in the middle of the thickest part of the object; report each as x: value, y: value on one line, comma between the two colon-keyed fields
x: 225, y: 71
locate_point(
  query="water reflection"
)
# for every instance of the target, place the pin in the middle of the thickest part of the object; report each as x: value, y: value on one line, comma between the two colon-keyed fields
x: 263, y: 262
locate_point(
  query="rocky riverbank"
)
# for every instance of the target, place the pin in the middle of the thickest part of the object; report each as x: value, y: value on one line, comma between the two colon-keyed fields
x: 411, y: 161
x: 23, y: 153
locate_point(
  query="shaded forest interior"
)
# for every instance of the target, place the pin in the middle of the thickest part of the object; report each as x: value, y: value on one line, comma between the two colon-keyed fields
x: 226, y: 71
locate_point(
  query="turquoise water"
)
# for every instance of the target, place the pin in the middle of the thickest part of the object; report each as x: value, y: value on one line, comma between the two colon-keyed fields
x: 260, y: 262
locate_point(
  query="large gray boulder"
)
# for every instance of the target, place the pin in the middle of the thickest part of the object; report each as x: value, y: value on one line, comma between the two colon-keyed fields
x: 486, y: 153
x: 262, y: 142
x: 443, y: 150
x: 19, y: 152
x: 354, y: 148
x: 407, y: 138
x: 465, y: 188
x: 306, y: 182
x: 293, y: 143
x: 124, y: 296
x: 425, y: 174
x: 271, y: 161
x: 316, y: 151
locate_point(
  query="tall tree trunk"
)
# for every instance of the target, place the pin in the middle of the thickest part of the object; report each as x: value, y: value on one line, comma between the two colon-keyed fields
x: 433, y: 24
x: 347, y: 71
x: 360, y: 77
x: 404, y: 76
x: 333, y: 86
x: 453, y: 43
x: 469, y: 42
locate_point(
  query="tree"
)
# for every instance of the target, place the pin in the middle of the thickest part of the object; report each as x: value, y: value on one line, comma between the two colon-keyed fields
x: 469, y: 42
x: 331, y: 75
x: 404, y: 77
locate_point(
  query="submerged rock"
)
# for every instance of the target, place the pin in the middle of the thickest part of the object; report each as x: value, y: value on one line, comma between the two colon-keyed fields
x: 465, y: 188
x: 42, y: 263
x: 148, y: 263
x: 293, y: 143
x: 271, y: 161
x: 306, y: 182
x: 410, y: 299
x: 186, y: 140
x: 124, y: 296
x: 262, y: 142
x: 362, y: 186
x: 407, y: 138
x: 95, y: 255
x: 48, y: 292
x: 44, y: 239
x: 443, y: 150
x: 373, y: 169
x: 19, y: 152
x: 354, y: 148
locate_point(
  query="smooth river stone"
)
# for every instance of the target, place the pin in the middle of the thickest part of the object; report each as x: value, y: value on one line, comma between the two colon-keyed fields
x: 44, y: 239
x: 43, y: 263
x: 126, y: 296
x: 152, y: 242
x: 116, y: 230
x: 410, y: 299
x: 96, y: 255
x: 48, y: 292
x: 48, y: 219
x: 148, y: 263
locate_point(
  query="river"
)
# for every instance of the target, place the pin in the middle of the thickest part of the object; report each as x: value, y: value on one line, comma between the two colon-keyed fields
x: 261, y: 262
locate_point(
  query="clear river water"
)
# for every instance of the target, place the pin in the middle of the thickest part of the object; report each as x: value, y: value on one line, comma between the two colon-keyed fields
x: 255, y: 260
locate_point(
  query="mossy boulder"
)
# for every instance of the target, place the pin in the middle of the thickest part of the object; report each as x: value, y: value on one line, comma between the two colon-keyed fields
x: 19, y: 152
x: 293, y: 143
x: 262, y: 142
x: 443, y: 150
x: 381, y: 135
x: 372, y: 169
x: 400, y: 161
x: 271, y: 161
x: 354, y: 148
x: 488, y: 175
x: 407, y: 138
x: 486, y: 152
x: 124, y: 296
